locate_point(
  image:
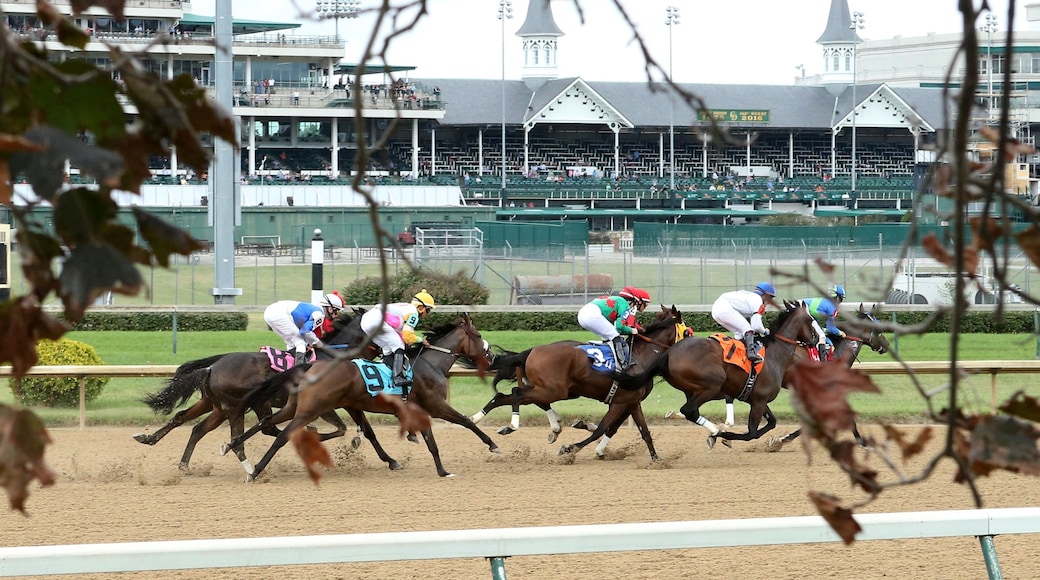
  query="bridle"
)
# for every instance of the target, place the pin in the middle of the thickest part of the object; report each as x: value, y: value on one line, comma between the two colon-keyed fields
x: 680, y: 332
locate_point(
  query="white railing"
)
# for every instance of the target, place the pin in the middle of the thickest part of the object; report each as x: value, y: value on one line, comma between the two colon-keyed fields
x: 497, y: 544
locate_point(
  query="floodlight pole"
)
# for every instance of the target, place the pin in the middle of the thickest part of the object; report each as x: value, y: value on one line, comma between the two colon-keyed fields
x: 671, y: 19
x: 505, y: 12
x: 857, y: 24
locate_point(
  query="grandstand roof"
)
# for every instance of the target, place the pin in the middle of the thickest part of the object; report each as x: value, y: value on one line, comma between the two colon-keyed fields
x: 479, y: 102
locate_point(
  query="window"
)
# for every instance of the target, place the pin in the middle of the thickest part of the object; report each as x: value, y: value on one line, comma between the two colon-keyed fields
x: 836, y: 62
x: 848, y: 62
x: 534, y: 55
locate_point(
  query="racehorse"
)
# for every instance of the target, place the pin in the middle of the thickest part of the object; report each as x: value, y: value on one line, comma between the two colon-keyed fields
x: 222, y: 381
x: 327, y: 385
x: 697, y: 367
x: 562, y: 370
x: 847, y: 351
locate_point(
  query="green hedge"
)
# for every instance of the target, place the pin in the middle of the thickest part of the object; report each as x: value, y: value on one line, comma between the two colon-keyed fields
x: 163, y: 321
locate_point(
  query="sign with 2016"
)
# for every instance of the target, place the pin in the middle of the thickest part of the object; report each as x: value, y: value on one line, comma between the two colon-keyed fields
x: 734, y: 116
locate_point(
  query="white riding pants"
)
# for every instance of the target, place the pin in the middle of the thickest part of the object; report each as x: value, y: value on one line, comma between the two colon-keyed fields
x: 281, y: 322
x: 591, y: 318
x: 730, y: 319
x: 383, y: 335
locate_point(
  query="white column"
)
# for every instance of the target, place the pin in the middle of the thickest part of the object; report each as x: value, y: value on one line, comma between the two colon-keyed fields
x: 415, y: 147
x: 252, y: 145
x: 433, y: 152
x: 660, y: 148
x: 480, y: 151
x: 527, y: 148
x: 334, y: 165
x: 617, y: 149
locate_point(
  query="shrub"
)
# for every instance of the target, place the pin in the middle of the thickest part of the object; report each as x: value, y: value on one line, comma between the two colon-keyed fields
x: 60, y: 391
x: 454, y: 290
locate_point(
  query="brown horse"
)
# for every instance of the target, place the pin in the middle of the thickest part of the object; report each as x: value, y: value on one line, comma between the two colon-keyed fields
x: 697, y: 367
x: 561, y: 370
x: 328, y: 385
x: 222, y: 381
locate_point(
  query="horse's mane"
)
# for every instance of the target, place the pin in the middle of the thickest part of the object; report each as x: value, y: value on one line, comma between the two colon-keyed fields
x: 347, y: 328
x: 658, y: 325
x: 435, y: 334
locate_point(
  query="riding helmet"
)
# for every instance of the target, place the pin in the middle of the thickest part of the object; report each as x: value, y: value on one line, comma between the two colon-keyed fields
x: 765, y: 288
x: 838, y: 292
x: 423, y: 298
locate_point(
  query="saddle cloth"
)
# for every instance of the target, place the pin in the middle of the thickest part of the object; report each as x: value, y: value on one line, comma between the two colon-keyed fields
x: 283, y: 360
x: 601, y: 356
x: 378, y: 377
x: 735, y: 353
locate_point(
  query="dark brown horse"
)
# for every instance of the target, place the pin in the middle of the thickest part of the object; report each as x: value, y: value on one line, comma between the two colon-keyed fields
x: 847, y: 351
x: 222, y: 381
x: 555, y: 372
x: 696, y: 366
x: 328, y: 385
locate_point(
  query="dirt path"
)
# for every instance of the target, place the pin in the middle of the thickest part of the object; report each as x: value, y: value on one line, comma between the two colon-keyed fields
x: 113, y: 489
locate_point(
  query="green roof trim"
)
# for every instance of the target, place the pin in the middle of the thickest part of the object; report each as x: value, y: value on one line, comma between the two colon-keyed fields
x: 543, y: 212
x: 239, y: 26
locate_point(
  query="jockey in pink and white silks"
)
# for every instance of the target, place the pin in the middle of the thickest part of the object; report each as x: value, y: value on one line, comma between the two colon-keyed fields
x: 295, y: 322
x: 740, y: 312
x: 393, y: 326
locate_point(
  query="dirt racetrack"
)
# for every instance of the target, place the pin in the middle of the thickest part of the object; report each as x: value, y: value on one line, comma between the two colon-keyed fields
x: 113, y: 489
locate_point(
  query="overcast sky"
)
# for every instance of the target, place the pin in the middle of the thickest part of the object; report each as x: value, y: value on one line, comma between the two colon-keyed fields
x: 735, y: 41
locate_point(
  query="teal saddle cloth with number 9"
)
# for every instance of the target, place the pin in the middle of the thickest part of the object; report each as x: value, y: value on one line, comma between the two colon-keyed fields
x: 378, y: 377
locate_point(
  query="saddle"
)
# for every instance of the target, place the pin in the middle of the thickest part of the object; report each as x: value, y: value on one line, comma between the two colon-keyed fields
x: 283, y: 360
x: 379, y: 377
x: 600, y: 356
x: 735, y: 353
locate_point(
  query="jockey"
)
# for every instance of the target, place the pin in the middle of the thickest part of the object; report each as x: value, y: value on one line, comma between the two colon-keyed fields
x: 825, y: 310
x: 297, y: 322
x: 740, y: 312
x: 393, y: 326
x: 605, y: 317
x: 333, y: 304
x: 639, y: 300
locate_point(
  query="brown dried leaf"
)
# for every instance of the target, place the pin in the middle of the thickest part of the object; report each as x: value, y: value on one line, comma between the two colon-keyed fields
x: 1022, y: 406
x: 839, y: 518
x: 6, y: 187
x: 819, y: 394
x: 986, y: 233
x: 861, y: 474
x: 22, y: 324
x: 935, y: 249
x: 23, y: 439
x: 1001, y: 442
x: 909, y: 449
x: 1029, y: 241
x: 824, y: 266
x: 311, y: 451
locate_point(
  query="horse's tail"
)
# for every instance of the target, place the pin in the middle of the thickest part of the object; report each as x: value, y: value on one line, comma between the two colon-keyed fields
x: 640, y: 379
x: 194, y: 365
x: 505, y: 366
x: 178, y: 390
x: 271, y: 386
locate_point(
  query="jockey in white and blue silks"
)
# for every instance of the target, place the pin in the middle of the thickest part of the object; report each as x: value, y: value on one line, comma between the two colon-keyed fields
x: 295, y: 323
x: 734, y: 309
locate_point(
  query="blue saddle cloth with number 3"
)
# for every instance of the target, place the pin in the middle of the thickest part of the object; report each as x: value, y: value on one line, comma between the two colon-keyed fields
x: 601, y: 356
x: 378, y: 377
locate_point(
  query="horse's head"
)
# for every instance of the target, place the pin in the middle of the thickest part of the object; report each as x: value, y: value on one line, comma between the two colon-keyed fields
x: 794, y: 324
x: 462, y: 339
x: 671, y: 320
x: 875, y: 340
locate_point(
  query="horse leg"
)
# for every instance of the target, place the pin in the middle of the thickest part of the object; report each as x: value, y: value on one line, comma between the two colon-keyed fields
x: 431, y: 444
x: 200, y: 408
x: 366, y: 428
x: 237, y: 425
x: 615, y: 414
x: 730, y: 417
x: 499, y: 400
x: 636, y: 412
x: 283, y: 414
x: 215, y: 418
x: 300, y: 420
x: 691, y: 411
x: 758, y: 411
x: 440, y: 409
x: 514, y: 418
x: 332, y: 418
x: 554, y: 421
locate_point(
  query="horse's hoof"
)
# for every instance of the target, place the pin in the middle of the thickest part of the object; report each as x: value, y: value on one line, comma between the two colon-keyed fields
x: 727, y: 443
x: 144, y: 438
x: 413, y: 438
x: 447, y: 475
x: 565, y: 449
x: 355, y: 443
x: 774, y: 443
x: 250, y: 478
x: 711, y: 441
x: 551, y: 437
x: 495, y: 449
x: 669, y: 414
x: 394, y: 465
x: 224, y: 448
x: 506, y: 430
x: 579, y: 424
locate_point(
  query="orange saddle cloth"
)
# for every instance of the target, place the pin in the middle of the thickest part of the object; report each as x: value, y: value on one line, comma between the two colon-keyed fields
x: 735, y: 353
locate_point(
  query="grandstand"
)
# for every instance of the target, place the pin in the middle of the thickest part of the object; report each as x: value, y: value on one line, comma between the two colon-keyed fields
x: 573, y: 148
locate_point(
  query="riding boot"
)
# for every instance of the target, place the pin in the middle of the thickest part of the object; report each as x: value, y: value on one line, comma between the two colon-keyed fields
x: 400, y: 379
x: 622, y: 358
x: 752, y: 350
x: 299, y: 358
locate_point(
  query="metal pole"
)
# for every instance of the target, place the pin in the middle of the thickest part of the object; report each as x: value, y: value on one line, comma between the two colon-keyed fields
x: 223, y: 211
x: 317, y: 265
x: 989, y: 554
x: 857, y: 24
x: 671, y: 19
x: 505, y: 12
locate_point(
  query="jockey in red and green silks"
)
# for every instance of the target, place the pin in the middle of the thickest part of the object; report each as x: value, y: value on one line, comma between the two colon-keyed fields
x: 608, y: 316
